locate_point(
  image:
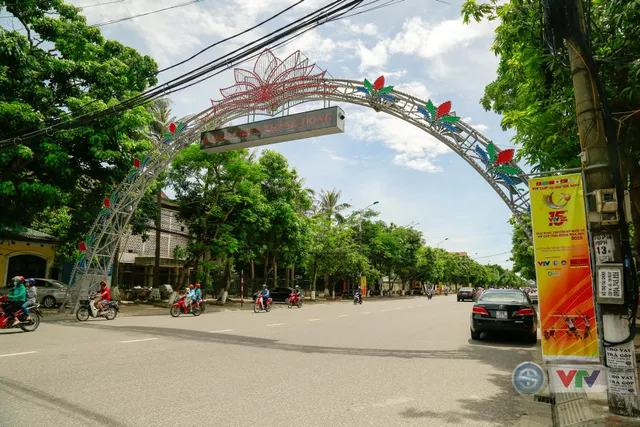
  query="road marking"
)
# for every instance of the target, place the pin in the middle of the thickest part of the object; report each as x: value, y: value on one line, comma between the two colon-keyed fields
x: 383, y: 311
x: 419, y: 305
x: 366, y: 312
x: 313, y: 320
x: 144, y: 339
x: 398, y: 308
x: 410, y: 306
x: 221, y: 330
x: 17, y: 354
x: 275, y: 324
x: 343, y: 315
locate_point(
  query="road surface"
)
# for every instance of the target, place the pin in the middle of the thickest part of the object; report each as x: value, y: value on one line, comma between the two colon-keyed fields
x: 396, y: 362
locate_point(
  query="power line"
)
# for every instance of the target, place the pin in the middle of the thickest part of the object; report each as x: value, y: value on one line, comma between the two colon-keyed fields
x: 101, y: 4
x: 314, y: 19
x: 115, y: 21
x: 489, y: 256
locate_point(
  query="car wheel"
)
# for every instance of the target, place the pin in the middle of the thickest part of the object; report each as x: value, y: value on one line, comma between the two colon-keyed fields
x: 475, y: 335
x: 49, y: 302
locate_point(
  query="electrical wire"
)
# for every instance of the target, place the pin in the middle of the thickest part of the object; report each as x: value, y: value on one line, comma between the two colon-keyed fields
x: 319, y: 17
x: 128, y: 18
x: 100, y: 4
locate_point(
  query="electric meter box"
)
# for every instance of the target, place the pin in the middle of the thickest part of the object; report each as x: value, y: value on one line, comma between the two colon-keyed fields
x: 610, y: 283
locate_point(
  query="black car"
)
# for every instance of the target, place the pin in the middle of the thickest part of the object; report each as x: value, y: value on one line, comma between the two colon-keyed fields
x: 277, y: 294
x: 504, y: 310
x: 466, y: 293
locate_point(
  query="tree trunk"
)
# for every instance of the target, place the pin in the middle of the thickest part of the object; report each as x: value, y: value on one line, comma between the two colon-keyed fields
x: 315, y: 277
x: 275, y: 271
x: 326, y: 286
x: 253, y: 277
x: 156, y: 268
x: 116, y: 267
x: 293, y: 276
x: 227, y: 282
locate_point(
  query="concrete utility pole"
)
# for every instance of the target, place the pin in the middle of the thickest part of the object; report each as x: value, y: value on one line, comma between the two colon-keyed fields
x: 609, y: 238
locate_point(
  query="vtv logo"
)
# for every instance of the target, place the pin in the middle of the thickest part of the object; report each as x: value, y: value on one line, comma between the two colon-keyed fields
x: 578, y: 377
x: 544, y: 263
x: 557, y: 218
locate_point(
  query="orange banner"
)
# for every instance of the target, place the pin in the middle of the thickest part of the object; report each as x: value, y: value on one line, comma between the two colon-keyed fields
x: 563, y: 269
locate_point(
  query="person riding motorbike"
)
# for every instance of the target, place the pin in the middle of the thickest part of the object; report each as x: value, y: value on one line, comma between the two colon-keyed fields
x: 265, y: 295
x: 16, y: 298
x: 297, y: 292
x: 197, y: 295
x: 188, y: 297
x: 358, y: 293
x: 32, y: 297
x: 104, y: 296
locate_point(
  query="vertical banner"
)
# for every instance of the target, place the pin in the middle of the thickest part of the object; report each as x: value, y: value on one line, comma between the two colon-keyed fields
x: 363, y: 285
x: 563, y: 269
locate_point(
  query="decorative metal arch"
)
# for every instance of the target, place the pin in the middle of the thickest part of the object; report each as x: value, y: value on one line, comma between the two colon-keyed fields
x: 271, y: 88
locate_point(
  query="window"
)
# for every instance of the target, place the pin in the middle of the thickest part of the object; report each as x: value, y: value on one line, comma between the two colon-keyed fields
x: 27, y: 266
x: 42, y: 284
x: 498, y: 296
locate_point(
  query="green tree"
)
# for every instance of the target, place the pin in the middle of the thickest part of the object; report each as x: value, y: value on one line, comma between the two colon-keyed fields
x: 533, y: 89
x: 329, y: 204
x: 58, y: 68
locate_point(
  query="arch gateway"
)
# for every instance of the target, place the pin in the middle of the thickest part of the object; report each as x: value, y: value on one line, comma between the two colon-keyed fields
x: 270, y: 89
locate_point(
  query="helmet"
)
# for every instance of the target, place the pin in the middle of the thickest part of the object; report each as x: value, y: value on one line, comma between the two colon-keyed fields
x: 197, y: 285
x: 264, y: 286
x: 31, y: 281
x: 17, y: 279
x: 190, y: 286
x: 297, y: 286
x: 103, y: 283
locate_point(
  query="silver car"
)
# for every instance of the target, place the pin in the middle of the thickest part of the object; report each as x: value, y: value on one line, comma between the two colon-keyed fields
x: 51, y: 293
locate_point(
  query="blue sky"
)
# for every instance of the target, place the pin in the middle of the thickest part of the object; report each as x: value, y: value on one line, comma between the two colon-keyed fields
x: 421, y: 47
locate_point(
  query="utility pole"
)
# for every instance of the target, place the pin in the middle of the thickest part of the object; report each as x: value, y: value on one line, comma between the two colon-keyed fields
x: 158, y: 224
x: 610, y: 248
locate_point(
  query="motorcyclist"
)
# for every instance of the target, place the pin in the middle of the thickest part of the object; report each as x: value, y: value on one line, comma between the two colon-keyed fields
x: 265, y: 295
x: 358, y: 293
x: 188, y: 297
x: 104, y: 296
x: 297, y: 292
x: 197, y: 295
x: 16, y: 298
x: 32, y: 296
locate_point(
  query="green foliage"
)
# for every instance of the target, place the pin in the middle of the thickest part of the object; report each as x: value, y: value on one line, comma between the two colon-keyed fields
x: 522, y: 253
x: 60, y: 68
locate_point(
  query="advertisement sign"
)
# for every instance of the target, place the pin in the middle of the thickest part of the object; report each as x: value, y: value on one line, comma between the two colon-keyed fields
x: 563, y: 269
x: 363, y: 285
x: 578, y: 378
x: 309, y: 124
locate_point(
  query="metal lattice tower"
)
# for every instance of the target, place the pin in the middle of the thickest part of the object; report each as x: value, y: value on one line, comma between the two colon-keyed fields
x: 272, y: 88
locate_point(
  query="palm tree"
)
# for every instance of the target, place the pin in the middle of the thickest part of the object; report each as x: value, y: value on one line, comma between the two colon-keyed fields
x: 161, y: 112
x: 328, y: 204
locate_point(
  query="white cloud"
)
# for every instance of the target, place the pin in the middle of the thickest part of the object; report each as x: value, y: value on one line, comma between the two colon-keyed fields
x: 417, y: 89
x: 313, y: 46
x: 368, y: 29
x: 370, y: 58
x: 479, y: 127
x: 415, y: 148
x: 333, y: 156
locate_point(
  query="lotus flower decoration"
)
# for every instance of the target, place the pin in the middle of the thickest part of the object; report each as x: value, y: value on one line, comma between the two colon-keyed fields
x: 84, y: 247
x: 137, y: 167
x: 498, y: 163
x: 440, y: 117
x: 271, y: 83
x: 107, y: 205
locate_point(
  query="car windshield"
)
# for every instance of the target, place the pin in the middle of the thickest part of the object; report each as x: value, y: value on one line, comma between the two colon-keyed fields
x: 501, y: 296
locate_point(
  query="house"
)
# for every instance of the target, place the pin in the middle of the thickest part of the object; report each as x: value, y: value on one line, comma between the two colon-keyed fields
x: 137, y: 257
x: 26, y: 252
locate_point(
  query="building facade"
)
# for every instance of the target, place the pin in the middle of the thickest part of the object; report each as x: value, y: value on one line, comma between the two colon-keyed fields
x: 27, y: 253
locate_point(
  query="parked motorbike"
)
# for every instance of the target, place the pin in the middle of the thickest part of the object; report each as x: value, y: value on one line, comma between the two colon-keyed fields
x: 179, y: 307
x: 89, y: 309
x: 294, y: 299
x: 357, y: 299
x: 6, y: 321
x: 259, y: 305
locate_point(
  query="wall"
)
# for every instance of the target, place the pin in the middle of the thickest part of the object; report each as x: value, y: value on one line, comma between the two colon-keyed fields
x: 9, y: 248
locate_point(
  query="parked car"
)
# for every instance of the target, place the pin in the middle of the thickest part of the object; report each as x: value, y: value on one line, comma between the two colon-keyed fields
x: 504, y: 310
x: 51, y: 293
x: 277, y: 294
x: 466, y: 294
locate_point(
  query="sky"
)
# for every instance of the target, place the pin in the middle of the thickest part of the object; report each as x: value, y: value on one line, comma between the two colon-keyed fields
x: 420, y: 46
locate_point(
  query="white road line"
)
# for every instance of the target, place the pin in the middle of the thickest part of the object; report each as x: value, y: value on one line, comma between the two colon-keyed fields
x: 17, y: 354
x: 144, y: 339
x: 383, y: 311
x: 275, y: 324
x: 221, y: 330
x: 398, y: 308
x: 343, y: 315
x: 313, y: 320
x: 366, y: 312
x: 410, y: 306
x: 419, y: 305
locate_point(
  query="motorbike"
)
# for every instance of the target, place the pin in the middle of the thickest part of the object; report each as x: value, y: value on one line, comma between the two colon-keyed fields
x: 89, y: 309
x: 179, y: 307
x: 259, y: 305
x: 357, y: 299
x: 429, y: 294
x: 6, y: 321
x: 294, y: 299
x: 446, y: 292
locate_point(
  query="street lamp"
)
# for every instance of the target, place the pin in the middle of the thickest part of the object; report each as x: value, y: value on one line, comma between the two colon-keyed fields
x: 438, y: 245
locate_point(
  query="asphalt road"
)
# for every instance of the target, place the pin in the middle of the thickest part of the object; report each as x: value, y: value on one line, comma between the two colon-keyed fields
x: 402, y: 362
